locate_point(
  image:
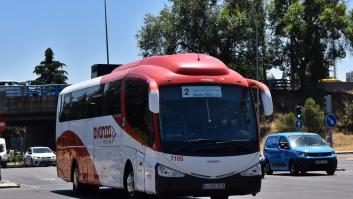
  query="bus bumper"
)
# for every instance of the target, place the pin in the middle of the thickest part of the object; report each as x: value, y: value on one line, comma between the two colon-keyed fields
x: 194, y: 186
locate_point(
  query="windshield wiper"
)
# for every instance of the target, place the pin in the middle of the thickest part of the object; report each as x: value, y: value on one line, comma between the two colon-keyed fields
x: 187, y: 143
x: 235, y: 144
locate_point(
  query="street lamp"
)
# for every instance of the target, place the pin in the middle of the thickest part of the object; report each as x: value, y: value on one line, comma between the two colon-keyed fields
x: 106, y: 30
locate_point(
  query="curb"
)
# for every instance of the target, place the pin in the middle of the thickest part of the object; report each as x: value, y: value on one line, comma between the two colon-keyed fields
x: 343, y: 152
x: 8, y: 184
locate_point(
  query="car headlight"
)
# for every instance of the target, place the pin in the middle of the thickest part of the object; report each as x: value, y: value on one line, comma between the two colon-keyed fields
x: 167, y: 172
x: 303, y: 154
x: 253, y: 171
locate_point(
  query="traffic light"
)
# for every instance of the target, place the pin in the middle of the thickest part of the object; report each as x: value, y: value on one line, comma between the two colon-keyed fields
x: 298, y: 112
x: 328, y: 104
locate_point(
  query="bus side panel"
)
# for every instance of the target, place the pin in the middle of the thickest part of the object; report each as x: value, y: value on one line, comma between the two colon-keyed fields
x: 72, y: 145
x: 107, y: 149
x: 133, y: 151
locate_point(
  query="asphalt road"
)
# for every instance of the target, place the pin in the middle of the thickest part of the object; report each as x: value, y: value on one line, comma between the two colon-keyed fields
x: 42, y: 183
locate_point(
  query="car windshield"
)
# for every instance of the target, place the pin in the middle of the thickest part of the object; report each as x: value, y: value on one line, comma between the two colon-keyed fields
x: 306, y: 140
x: 42, y: 150
x: 217, y: 120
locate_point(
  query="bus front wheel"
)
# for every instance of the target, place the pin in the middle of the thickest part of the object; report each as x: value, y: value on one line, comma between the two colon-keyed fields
x: 219, y: 197
x: 130, y: 186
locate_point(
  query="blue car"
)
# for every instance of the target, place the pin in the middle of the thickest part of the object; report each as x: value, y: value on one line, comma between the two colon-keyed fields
x: 298, y: 152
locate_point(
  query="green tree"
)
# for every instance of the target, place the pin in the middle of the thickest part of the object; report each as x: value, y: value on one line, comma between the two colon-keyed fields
x: 313, y: 116
x: 223, y: 29
x: 285, y: 123
x: 313, y: 35
x: 50, y: 71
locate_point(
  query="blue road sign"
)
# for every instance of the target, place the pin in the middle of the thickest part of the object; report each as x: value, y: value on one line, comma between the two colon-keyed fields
x: 330, y: 121
x: 298, y: 124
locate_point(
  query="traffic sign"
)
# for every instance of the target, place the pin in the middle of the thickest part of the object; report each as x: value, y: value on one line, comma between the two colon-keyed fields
x: 2, y: 124
x: 330, y: 121
x: 298, y: 124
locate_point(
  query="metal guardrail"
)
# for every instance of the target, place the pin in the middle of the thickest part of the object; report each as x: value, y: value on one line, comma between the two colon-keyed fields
x: 33, y: 90
x: 282, y: 84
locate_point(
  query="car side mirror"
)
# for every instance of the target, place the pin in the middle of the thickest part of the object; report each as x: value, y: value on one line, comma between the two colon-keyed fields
x: 30, y: 153
x: 284, y: 145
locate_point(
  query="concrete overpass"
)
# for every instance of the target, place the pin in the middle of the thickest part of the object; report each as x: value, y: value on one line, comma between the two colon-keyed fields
x: 36, y: 114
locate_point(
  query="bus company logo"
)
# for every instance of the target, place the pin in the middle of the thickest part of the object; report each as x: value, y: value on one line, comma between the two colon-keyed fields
x: 105, y: 133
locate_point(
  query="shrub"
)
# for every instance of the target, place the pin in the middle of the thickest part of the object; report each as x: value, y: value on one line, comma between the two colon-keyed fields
x: 313, y: 117
x: 285, y: 122
x: 347, y: 117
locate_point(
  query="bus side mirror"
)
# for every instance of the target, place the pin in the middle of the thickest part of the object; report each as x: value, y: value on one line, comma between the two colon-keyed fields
x: 153, y: 98
x: 266, y: 97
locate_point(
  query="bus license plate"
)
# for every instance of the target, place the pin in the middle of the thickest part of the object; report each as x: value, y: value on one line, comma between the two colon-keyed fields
x: 213, y: 186
x: 320, y: 161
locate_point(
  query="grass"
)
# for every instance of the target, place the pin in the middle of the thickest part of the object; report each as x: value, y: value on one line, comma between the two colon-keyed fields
x: 342, y: 142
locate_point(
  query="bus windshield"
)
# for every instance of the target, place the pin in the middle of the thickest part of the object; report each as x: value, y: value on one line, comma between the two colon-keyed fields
x: 211, y: 120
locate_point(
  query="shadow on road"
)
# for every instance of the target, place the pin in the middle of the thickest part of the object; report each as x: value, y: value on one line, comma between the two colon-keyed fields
x: 299, y: 175
x: 105, y: 193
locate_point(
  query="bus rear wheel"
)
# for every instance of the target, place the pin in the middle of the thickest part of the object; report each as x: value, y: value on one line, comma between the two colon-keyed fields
x: 76, y: 185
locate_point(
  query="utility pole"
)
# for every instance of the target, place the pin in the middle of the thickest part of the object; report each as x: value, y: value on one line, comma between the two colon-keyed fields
x: 106, y: 30
x: 257, y: 63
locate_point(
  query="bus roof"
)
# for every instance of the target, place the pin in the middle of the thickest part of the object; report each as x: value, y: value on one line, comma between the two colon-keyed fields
x: 172, y: 69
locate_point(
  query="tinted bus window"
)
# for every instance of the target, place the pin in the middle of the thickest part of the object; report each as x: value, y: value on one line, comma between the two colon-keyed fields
x: 112, y: 98
x: 64, y: 115
x: 136, y: 99
x: 78, y: 99
x: 94, y: 99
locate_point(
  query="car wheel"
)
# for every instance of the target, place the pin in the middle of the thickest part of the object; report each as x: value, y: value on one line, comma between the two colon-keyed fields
x: 331, y: 172
x: 31, y: 164
x: 268, y: 169
x: 130, y: 185
x: 293, y: 169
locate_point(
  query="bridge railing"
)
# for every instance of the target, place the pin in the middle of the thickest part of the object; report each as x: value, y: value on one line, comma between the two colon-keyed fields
x: 33, y: 90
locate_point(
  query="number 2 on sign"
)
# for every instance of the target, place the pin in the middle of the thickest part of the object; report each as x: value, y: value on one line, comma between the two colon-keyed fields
x: 177, y: 158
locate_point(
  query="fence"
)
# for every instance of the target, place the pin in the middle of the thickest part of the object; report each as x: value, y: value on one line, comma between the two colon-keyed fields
x: 278, y: 84
x: 33, y: 90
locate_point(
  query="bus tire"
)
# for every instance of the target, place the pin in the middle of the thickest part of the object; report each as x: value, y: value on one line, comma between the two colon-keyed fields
x: 76, y: 185
x: 219, y: 197
x: 129, y: 182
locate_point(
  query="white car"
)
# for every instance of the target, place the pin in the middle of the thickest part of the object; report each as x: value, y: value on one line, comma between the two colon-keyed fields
x: 3, y: 155
x: 36, y: 156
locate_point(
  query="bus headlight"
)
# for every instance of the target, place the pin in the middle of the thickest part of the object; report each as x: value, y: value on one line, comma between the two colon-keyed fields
x: 167, y: 172
x: 253, y: 171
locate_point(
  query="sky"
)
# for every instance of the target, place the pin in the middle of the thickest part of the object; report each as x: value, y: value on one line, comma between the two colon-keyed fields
x: 75, y: 31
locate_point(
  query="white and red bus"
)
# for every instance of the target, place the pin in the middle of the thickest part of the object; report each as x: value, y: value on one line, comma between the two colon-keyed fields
x: 180, y: 124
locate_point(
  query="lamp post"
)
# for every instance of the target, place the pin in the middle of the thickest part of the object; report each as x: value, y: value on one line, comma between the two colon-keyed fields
x: 106, y: 30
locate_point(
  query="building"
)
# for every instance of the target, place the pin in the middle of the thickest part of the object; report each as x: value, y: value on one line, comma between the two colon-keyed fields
x: 349, y: 77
